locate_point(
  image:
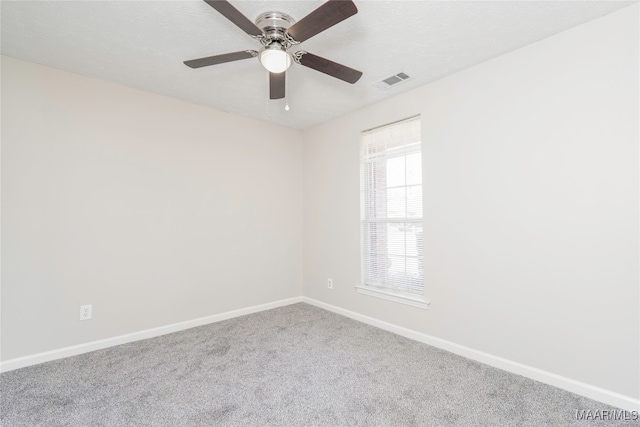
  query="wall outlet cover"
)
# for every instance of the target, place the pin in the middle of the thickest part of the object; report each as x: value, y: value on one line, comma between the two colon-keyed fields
x: 86, y: 312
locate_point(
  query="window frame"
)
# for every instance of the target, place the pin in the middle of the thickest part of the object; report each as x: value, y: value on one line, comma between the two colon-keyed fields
x: 387, y: 292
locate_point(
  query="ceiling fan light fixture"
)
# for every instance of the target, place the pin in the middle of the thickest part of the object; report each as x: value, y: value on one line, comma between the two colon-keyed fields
x: 275, y: 59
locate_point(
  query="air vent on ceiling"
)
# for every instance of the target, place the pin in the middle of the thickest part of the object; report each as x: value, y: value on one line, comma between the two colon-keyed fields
x: 393, y: 80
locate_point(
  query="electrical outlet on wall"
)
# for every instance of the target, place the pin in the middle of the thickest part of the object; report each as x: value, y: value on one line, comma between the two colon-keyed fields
x: 330, y: 283
x: 86, y: 312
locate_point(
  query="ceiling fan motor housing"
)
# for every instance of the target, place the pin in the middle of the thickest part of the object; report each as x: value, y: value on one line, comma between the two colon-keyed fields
x: 274, y: 26
x: 270, y: 21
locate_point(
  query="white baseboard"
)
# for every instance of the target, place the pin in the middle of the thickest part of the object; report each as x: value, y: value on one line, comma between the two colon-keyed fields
x: 583, y: 389
x: 48, y: 356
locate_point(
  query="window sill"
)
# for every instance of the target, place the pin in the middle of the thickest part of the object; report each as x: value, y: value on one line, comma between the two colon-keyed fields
x: 415, y: 301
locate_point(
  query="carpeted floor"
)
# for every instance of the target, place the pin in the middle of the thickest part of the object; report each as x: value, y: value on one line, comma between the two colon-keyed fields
x: 293, y: 366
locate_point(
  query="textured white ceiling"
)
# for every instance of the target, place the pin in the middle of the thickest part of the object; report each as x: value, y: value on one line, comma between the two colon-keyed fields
x: 142, y: 44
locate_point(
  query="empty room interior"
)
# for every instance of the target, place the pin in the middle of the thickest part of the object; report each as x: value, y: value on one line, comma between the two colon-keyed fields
x: 330, y: 213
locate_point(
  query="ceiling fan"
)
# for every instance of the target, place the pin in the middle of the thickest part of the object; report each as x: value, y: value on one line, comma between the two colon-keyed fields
x: 278, y: 32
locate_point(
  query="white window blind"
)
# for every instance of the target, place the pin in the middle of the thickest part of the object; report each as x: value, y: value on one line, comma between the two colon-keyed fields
x: 392, y: 243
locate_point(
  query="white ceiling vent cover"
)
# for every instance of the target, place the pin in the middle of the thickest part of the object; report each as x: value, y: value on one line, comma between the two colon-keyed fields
x: 393, y: 80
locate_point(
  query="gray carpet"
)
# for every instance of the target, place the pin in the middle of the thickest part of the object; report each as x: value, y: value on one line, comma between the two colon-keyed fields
x: 292, y: 366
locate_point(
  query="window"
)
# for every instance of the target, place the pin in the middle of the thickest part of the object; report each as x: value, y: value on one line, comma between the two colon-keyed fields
x: 391, y: 206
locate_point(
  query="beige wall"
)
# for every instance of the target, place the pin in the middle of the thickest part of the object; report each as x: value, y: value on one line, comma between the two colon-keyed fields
x: 531, y: 206
x: 154, y: 210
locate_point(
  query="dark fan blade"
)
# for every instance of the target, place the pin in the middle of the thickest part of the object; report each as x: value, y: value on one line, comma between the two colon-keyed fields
x: 220, y: 59
x: 331, y: 68
x: 234, y: 15
x: 276, y: 85
x: 327, y: 15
